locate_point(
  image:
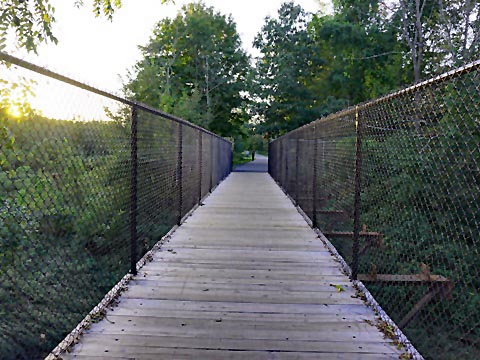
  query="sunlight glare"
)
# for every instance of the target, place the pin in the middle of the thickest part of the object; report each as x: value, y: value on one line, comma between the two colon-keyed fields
x: 17, y: 103
x: 15, y: 111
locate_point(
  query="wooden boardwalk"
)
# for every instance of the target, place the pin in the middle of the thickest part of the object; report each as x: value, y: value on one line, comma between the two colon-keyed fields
x: 244, y: 277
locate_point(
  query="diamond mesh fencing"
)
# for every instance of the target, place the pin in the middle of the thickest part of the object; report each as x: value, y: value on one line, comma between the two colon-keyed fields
x: 89, y: 182
x: 394, y: 184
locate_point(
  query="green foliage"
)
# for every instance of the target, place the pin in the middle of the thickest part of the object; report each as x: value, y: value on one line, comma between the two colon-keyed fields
x: 422, y: 208
x: 313, y: 65
x: 64, y: 185
x: 420, y: 191
x: 353, y: 72
x: 64, y: 209
x: 439, y: 34
x: 32, y: 21
x: 284, y: 72
x: 194, y: 67
x: 240, y: 158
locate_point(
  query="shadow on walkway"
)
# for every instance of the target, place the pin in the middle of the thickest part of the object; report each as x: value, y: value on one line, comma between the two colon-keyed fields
x: 259, y: 165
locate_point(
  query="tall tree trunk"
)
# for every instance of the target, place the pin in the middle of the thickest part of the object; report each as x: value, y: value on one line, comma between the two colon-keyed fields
x: 415, y: 40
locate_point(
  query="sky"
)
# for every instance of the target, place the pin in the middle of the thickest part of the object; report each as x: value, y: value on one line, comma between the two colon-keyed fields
x: 100, y: 52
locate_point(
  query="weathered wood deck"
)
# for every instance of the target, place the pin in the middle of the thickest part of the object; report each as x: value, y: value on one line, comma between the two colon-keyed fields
x: 243, y: 278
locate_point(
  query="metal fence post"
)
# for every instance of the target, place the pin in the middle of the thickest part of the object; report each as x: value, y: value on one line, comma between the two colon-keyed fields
x: 356, y: 205
x: 133, y: 191
x: 297, y: 148
x: 180, y: 173
x: 222, y: 160
x: 278, y: 158
x: 315, y: 185
x: 287, y: 173
x: 218, y: 176
x: 230, y: 150
x: 231, y: 158
x: 269, y: 154
x: 212, y: 161
x: 280, y: 170
x: 227, y: 161
x: 200, y: 161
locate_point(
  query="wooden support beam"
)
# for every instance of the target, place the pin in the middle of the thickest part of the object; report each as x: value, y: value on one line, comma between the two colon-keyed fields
x: 429, y: 296
x: 438, y: 287
x: 345, y: 234
x: 371, y: 238
x: 415, y: 279
x: 332, y: 212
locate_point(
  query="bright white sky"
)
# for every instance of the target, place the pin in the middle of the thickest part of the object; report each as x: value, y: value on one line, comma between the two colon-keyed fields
x: 100, y: 52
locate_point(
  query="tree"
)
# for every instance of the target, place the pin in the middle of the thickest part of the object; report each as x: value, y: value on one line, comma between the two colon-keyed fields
x: 413, y: 17
x: 288, y: 63
x: 357, y: 11
x: 312, y: 66
x: 362, y: 55
x: 194, y: 66
x: 32, y: 21
x: 459, y: 26
x: 439, y: 34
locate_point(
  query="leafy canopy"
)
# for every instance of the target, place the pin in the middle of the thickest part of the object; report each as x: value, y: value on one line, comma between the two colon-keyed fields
x: 32, y: 20
x: 194, y: 67
x: 285, y: 70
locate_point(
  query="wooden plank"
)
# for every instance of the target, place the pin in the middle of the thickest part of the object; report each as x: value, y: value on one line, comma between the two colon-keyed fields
x: 248, y: 234
x: 225, y: 216
x: 265, y: 245
x: 224, y: 330
x: 179, y: 354
x: 251, y: 244
x: 242, y: 278
x: 234, y: 281
x: 244, y: 316
x: 169, y: 305
x: 232, y: 295
x: 352, y: 347
x: 284, y: 286
x: 290, y: 274
x: 345, y: 327
x: 238, y: 263
x: 290, y: 267
x: 248, y: 254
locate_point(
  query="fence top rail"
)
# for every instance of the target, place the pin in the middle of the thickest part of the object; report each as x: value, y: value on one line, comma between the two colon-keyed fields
x: 51, y: 74
x: 435, y: 80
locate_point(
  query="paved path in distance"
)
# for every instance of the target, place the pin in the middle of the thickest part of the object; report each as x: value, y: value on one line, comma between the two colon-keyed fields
x: 259, y: 165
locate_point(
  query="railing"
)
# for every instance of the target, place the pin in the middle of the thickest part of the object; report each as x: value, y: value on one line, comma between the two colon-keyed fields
x: 394, y: 184
x: 81, y: 201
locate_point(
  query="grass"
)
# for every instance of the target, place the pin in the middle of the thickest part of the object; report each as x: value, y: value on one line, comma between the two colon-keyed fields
x: 239, y: 159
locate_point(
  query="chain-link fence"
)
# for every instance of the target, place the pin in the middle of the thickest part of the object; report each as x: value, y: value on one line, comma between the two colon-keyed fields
x: 89, y: 182
x: 394, y: 184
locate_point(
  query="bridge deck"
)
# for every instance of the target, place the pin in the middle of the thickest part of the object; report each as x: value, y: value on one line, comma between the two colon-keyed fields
x: 243, y: 278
